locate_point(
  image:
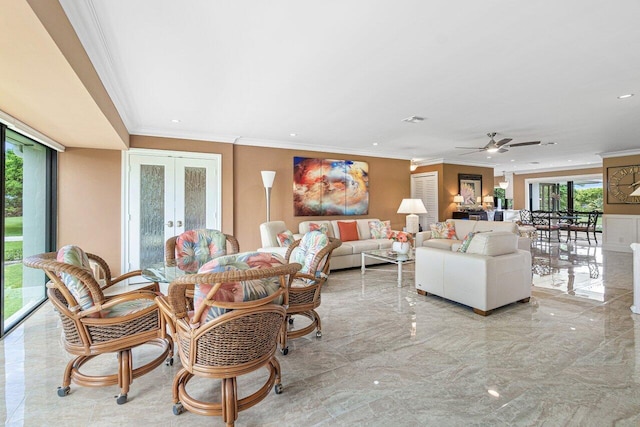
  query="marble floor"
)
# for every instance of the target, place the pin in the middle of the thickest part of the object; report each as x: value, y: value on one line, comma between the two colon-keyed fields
x: 390, y: 357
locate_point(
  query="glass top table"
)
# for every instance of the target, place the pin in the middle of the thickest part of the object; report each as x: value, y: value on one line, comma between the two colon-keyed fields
x: 389, y: 256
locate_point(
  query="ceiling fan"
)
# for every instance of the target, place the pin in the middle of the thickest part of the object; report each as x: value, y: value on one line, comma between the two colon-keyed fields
x: 501, y: 146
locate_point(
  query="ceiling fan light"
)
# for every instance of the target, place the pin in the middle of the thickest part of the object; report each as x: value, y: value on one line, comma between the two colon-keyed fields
x: 504, y: 184
x: 492, y: 150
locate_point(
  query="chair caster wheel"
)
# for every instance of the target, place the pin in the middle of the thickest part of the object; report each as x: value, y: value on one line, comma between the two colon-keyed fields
x: 291, y: 320
x: 63, y: 391
x: 278, y: 388
x: 121, y: 399
x: 319, y: 334
x: 178, y: 409
x: 169, y: 361
x: 285, y: 351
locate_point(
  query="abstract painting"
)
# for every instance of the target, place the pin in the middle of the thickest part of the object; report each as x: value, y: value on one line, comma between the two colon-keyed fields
x: 326, y: 187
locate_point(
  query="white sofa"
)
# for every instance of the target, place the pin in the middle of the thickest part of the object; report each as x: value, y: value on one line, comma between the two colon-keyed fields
x: 464, y: 227
x: 346, y: 256
x: 492, y: 273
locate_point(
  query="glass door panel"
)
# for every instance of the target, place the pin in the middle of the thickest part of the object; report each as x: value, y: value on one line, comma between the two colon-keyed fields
x: 25, y: 225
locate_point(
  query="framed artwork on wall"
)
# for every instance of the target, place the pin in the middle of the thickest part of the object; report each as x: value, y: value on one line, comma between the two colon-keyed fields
x: 327, y: 187
x: 469, y: 187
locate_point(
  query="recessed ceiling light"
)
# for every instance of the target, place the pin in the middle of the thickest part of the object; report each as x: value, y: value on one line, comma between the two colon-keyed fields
x: 569, y: 160
x: 375, y: 143
x: 488, y: 157
x: 413, y: 119
x: 628, y: 95
x: 512, y: 160
x: 176, y: 120
x: 293, y: 134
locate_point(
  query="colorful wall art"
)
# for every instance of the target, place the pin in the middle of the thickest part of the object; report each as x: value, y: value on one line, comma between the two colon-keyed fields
x: 330, y: 187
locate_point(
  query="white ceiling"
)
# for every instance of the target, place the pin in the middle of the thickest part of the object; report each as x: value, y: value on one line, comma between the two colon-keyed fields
x: 342, y: 75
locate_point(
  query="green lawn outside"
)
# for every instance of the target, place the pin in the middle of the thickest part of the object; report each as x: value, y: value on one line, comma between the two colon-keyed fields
x: 12, y: 289
x: 13, y: 226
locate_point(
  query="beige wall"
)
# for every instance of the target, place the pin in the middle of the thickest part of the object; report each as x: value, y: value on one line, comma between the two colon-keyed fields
x: 389, y: 183
x: 89, y: 202
x: 89, y: 196
x: 624, y: 209
x: 448, y: 184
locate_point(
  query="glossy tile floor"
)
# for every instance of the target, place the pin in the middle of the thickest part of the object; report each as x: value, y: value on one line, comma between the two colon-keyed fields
x: 390, y: 357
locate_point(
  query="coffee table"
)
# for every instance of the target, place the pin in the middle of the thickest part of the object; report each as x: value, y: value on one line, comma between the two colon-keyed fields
x: 389, y: 256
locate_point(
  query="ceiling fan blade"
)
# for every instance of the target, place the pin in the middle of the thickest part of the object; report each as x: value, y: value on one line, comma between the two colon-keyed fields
x: 502, y: 150
x: 470, y: 152
x: 502, y: 142
x: 471, y: 148
x: 524, y: 144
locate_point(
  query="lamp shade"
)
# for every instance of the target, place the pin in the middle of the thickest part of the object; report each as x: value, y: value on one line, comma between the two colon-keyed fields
x: 458, y: 199
x: 267, y: 178
x: 488, y: 199
x: 412, y: 206
x: 504, y: 184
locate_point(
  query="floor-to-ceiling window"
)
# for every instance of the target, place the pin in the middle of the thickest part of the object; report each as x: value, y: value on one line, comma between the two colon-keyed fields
x: 28, y: 202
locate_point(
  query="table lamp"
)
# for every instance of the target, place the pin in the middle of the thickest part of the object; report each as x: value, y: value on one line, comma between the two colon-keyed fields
x: 412, y: 207
x: 458, y: 199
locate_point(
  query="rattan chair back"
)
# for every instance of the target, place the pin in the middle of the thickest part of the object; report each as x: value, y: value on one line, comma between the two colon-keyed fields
x: 88, y: 334
x: 232, y: 247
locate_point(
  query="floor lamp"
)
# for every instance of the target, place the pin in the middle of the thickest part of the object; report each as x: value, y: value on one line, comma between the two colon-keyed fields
x: 412, y: 207
x: 267, y: 181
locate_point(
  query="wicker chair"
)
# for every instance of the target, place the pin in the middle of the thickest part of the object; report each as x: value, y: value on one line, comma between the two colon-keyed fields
x: 193, y: 248
x: 313, y: 251
x: 224, y: 339
x: 94, y: 324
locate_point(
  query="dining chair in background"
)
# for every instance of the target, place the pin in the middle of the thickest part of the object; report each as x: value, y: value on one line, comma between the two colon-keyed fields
x: 193, y: 248
x: 313, y: 251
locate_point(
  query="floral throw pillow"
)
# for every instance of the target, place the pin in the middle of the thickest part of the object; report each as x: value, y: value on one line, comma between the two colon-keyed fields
x: 466, y: 242
x: 323, y: 228
x: 285, y: 238
x: 443, y: 230
x: 242, y: 291
x: 379, y: 229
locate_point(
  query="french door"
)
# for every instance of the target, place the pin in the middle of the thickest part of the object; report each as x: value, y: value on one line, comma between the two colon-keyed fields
x: 165, y: 194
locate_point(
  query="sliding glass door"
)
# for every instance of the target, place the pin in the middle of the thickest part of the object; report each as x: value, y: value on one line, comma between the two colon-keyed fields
x: 28, y: 169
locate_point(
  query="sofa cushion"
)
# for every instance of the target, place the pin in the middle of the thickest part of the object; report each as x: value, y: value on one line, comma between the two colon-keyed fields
x: 496, y: 226
x: 441, y: 243
x: 348, y: 231
x: 346, y: 248
x: 379, y: 229
x: 324, y: 226
x: 360, y: 246
x: 493, y: 243
x: 443, y: 230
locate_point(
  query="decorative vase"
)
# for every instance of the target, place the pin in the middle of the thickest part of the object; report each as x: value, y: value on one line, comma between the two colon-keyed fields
x: 401, y: 247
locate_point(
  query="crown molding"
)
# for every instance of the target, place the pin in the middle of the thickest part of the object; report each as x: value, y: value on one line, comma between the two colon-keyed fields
x: 622, y: 153
x: 198, y: 136
x: 555, y: 169
x: 94, y: 42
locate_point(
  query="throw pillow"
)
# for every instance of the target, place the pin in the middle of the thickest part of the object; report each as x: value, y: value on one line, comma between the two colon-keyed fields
x: 348, y: 231
x: 466, y: 242
x: 324, y: 228
x: 379, y: 229
x: 285, y: 238
x: 443, y: 230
